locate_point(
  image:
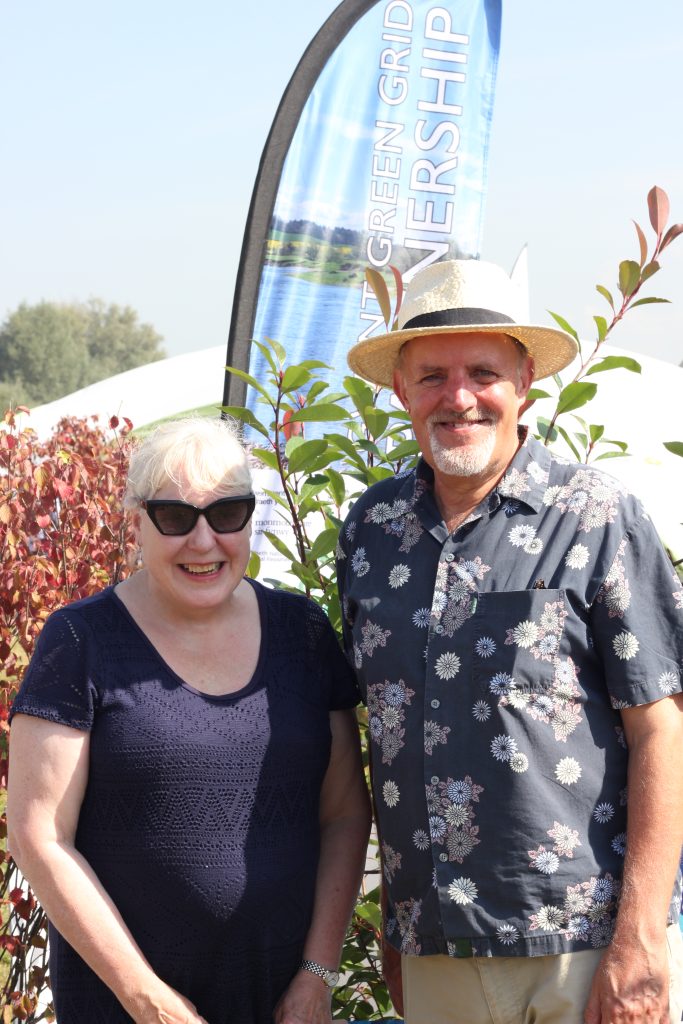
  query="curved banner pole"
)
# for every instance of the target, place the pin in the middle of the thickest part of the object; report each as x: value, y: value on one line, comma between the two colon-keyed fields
x: 377, y: 156
x: 265, y: 188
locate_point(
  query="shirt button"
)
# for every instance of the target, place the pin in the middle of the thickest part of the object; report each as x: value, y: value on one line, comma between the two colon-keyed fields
x: 436, y: 703
x: 438, y: 629
x: 443, y: 856
x: 450, y: 556
x: 435, y: 779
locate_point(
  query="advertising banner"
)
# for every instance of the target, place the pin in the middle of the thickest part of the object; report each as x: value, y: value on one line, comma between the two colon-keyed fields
x: 377, y: 157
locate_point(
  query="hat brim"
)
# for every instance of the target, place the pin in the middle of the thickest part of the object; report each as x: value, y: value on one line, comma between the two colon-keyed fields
x: 375, y: 358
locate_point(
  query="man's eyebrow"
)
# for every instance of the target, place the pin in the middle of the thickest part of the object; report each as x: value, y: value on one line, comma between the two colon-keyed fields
x: 429, y: 367
x: 485, y: 363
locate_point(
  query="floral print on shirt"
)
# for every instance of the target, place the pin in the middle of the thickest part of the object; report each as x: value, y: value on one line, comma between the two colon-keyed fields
x: 451, y: 819
x: 386, y: 702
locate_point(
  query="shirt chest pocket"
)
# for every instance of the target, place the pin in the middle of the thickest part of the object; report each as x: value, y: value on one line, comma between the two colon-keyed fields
x: 518, y: 640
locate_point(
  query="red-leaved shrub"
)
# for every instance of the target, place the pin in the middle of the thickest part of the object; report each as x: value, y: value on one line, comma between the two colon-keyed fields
x: 63, y: 536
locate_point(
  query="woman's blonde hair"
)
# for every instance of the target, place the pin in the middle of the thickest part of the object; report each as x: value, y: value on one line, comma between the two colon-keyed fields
x: 197, y: 453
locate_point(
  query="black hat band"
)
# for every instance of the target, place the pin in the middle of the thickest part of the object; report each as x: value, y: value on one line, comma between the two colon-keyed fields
x: 470, y: 315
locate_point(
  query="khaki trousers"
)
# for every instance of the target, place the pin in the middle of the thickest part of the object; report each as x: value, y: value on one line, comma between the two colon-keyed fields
x: 512, y: 989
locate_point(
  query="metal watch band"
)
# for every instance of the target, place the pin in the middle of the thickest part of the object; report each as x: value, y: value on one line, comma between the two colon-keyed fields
x: 330, y: 978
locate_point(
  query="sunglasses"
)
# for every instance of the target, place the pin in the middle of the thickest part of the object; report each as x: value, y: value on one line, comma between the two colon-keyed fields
x: 177, y: 518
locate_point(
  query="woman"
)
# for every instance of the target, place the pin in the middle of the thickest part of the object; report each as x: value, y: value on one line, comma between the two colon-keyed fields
x: 186, y: 792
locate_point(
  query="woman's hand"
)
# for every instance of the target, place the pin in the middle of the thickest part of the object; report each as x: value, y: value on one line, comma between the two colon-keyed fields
x: 165, y: 1006
x: 308, y: 1000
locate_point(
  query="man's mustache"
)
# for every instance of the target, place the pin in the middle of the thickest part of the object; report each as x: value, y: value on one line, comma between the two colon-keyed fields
x: 465, y: 417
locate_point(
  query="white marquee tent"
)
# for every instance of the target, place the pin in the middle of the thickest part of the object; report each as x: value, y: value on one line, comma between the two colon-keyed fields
x: 642, y: 409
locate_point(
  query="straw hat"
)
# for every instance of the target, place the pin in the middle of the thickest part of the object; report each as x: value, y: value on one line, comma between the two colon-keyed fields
x: 458, y: 296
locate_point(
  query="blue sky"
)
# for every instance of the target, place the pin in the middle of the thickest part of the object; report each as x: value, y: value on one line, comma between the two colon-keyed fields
x: 333, y: 184
x: 132, y: 134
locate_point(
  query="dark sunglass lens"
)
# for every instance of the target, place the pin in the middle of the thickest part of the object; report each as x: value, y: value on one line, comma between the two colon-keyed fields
x: 228, y: 517
x: 174, y: 520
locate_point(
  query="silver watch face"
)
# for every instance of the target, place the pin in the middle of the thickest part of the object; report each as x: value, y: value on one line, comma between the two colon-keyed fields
x: 332, y: 978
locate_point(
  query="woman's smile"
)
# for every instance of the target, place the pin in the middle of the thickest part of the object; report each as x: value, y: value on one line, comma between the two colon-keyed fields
x: 202, y: 569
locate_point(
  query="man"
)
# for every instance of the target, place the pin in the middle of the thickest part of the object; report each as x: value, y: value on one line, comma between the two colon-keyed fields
x: 517, y: 631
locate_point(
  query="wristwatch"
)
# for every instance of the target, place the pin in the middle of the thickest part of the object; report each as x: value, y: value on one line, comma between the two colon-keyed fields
x: 331, y: 978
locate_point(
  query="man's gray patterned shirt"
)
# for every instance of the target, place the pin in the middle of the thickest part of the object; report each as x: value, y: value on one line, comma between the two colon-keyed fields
x: 494, y: 663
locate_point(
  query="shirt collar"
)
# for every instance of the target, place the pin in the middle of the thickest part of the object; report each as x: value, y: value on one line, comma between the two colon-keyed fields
x: 526, y: 478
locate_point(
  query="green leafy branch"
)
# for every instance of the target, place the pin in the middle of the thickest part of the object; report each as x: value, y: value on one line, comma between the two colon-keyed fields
x: 633, y: 274
x: 366, y: 444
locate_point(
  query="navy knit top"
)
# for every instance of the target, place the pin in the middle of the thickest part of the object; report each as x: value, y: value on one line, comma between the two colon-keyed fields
x: 201, y: 812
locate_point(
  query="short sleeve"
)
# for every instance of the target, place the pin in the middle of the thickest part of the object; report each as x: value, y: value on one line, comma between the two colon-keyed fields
x: 637, y: 620
x: 58, y: 684
x: 329, y: 659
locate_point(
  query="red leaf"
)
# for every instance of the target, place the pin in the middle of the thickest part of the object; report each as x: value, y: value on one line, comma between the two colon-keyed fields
x: 24, y: 908
x: 291, y: 429
x: 642, y: 242
x: 114, y: 422
x: 398, y: 281
x: 43, y: 521
x: 674, y: 231
x: 379, y: 287
x: 63, y: 489
x: 658, y: 208
x: 11, y: 944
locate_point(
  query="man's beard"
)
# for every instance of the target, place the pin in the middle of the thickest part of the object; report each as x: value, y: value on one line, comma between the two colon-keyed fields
x: 462, y: 460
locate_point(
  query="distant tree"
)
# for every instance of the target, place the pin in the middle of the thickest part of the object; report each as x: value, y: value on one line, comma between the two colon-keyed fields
x: 43, y: 351
x: 51, y: 349
x: 116, y: 341
x: 11, y: 392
